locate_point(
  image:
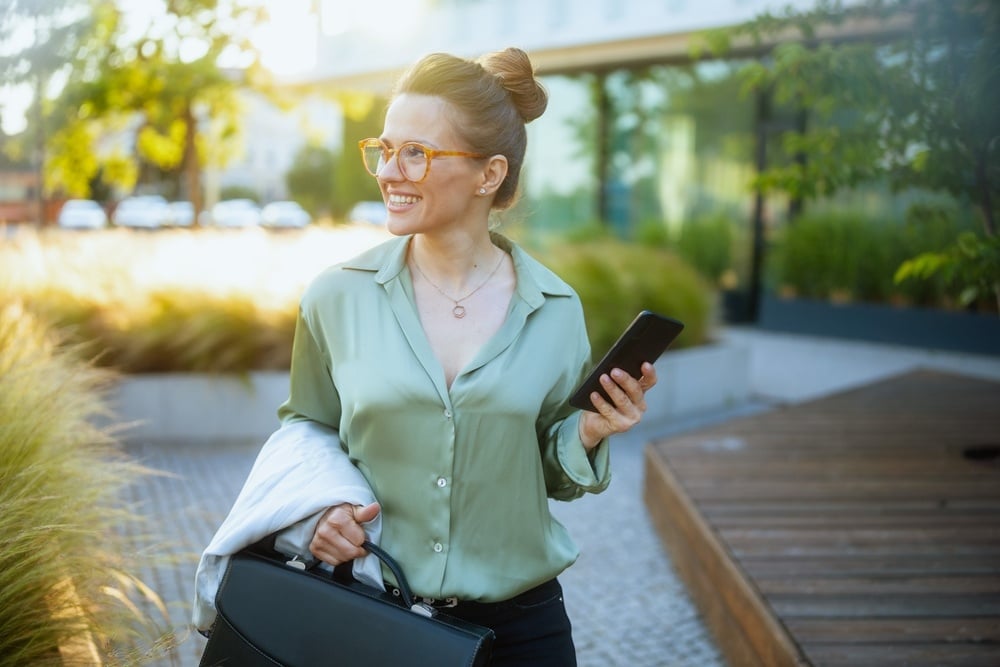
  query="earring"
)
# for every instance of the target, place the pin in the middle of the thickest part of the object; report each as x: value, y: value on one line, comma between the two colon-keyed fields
x: 482, y: 191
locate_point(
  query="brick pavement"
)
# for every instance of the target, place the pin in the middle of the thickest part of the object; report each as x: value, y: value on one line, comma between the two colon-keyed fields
x: 626, y: 603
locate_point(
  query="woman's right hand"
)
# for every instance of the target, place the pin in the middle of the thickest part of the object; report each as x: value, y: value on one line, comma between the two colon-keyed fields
x: 339, y: 533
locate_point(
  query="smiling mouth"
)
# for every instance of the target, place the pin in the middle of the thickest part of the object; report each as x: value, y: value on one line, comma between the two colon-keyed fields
x: 403, y: 200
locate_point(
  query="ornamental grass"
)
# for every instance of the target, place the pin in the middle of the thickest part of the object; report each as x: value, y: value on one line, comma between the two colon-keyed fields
x: 225, y: 300
x: 66, y: 594
x: 204, y: 300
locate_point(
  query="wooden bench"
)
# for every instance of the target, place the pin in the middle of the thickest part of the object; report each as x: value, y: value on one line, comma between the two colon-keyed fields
x: 857, y: 529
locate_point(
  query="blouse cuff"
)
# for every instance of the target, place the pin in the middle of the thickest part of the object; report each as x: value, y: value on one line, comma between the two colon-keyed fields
x: 591, y: 471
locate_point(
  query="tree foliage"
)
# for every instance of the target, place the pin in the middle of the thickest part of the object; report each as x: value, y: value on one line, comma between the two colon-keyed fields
x: 311, y: 178
x: 971, y: 263
x: 45, y: 34
x: 153, y: 97
x: 37, y: 37
x: 915, y: 103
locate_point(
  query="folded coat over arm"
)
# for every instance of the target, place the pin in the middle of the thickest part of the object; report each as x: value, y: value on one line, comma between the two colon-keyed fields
x: 300, y: 471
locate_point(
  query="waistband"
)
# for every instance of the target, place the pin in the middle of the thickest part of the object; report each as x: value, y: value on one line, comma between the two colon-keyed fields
x: 532, y: 596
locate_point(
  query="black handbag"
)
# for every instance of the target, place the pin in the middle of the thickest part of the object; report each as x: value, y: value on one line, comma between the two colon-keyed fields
x: 273, y: 612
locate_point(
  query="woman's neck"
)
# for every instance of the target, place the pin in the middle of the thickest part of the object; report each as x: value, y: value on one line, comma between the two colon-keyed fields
x: 454, y: 263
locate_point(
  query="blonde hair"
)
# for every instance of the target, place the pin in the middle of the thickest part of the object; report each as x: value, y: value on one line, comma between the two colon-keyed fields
x: 493, y: 96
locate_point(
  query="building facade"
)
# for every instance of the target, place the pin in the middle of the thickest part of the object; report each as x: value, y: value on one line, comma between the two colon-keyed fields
x: 639, y: 135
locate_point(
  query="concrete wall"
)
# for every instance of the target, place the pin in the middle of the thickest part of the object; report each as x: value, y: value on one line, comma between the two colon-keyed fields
x: 161, y: 407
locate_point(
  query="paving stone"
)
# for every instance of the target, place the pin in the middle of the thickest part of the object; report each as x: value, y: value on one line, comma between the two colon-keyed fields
x: 624, y: 599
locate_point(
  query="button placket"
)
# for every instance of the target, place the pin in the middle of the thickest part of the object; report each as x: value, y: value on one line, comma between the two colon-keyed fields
x: 440, y: 532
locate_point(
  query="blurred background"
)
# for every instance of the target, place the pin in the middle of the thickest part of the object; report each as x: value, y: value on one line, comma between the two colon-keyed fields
x: 174, y: 172
x: 837, y: 151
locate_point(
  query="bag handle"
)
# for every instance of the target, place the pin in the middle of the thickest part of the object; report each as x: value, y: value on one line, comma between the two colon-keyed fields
x: 397, y: 571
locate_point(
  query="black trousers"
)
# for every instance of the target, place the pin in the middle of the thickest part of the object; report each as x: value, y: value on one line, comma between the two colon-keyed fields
x: 532, y: 629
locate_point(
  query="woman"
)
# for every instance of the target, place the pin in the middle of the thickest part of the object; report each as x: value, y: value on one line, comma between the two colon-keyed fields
x: 443, y: 360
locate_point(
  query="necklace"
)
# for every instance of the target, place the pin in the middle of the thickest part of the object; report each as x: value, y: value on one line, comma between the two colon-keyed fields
x: 459, y: 310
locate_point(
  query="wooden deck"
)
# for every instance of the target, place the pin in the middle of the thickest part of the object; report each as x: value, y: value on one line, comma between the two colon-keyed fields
x: 858, y: 529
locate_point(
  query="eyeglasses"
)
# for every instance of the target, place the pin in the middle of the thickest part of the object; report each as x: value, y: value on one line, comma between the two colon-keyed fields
x: 413, y: 159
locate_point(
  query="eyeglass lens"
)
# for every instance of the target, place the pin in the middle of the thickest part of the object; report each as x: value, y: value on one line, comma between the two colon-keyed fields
x: 411, y: 158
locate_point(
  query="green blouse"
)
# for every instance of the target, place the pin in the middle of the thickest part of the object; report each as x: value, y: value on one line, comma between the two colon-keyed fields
x: 462, y: 475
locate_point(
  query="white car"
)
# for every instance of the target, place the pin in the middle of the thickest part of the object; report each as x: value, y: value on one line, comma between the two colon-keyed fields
x: 180, y: 213
x: 145, y: 211
x: 82, y: 214
x: 284, y: 214
x: 235, y: 213
x: 372, y: 212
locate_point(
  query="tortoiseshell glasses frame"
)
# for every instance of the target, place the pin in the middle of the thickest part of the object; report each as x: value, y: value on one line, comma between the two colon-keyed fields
x: 413, y: 158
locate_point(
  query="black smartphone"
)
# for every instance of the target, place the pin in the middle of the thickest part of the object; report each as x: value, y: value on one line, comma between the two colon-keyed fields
x: 645, y: 339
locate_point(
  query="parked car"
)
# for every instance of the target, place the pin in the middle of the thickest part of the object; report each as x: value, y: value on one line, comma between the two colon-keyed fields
x: 284, y: 214
x: 235, y: 213
x: 143, y: 211
x: 82, y: 214
x: 180, y: 213
x: 372, y: 212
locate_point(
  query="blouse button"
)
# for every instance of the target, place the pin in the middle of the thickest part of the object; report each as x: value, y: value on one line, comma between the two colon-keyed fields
x: 438, y: 547
x: 447, y: 414
x: 442, y: 482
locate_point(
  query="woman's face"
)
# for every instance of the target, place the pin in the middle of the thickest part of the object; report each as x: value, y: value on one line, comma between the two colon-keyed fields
x: 446, y: 197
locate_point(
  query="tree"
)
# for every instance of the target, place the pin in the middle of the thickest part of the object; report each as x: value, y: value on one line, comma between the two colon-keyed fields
x: 311, y: 180
x: 914, y: 104
x: 165, y: 87
x: 43, y: 36
x: 363, y: 117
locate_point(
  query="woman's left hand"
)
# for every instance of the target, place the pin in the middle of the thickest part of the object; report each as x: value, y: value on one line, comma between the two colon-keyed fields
x: 628, y: 404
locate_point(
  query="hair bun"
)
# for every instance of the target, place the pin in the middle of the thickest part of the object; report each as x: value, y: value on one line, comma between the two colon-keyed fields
x: 514, y: 70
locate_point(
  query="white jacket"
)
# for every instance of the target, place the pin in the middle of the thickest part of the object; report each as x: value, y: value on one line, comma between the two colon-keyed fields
x: 300, y: 472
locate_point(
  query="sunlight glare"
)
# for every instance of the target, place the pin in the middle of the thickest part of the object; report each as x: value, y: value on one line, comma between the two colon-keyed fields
x: 191, y: 49
x: 390, y: 19
x: 274, y: 268
x: 288, y: 40
x: 14, y: 102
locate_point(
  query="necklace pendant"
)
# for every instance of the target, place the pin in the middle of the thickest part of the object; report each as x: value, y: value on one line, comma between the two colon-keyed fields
x: 458, y: 311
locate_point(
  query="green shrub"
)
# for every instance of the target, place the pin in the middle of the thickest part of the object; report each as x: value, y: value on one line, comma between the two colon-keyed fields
x: 62, y: 549
x: 829, y: 255
x: 616, y: 280
x: 652, y: 233
x: 927, y: 228
x: 851, y: 256
x: 971, y: 266
x: 707, y: 244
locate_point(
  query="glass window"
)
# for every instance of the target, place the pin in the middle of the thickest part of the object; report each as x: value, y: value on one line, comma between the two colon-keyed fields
x: 680, y: 158
x: 559, y: 177
x: 681, y: 144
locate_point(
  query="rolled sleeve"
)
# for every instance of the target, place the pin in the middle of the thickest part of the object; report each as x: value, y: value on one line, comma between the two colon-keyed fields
x: 577, y: 470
